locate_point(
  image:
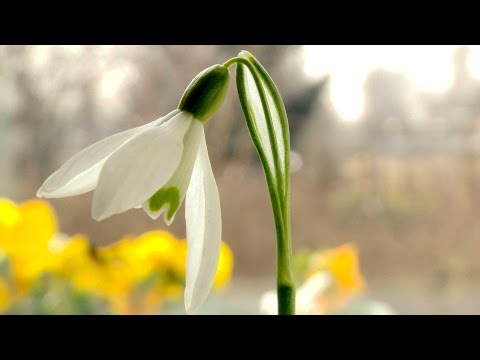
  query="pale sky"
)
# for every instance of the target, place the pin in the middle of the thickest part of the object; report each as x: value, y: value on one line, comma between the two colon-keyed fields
x: 428, y: 67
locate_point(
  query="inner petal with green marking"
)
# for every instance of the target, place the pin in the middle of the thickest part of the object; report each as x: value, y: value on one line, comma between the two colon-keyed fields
x: 168, y: 199
x: 165, y: 196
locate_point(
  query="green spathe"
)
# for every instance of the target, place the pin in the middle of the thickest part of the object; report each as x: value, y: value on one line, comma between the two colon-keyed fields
x: 206, y: 92
x: 268, y: 126
x: 167, y: 195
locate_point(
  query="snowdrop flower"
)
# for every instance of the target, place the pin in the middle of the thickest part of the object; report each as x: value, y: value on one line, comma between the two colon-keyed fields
x: 156, y: 166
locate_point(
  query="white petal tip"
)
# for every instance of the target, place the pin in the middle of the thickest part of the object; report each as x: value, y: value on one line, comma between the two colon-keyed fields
x: 98, y: 216
x: 101, y: 210
x: 167, y: 221
x: 244, y: 54
x: 191, y: 305
x: 42, y: 192
x: 153, y: 216
x: 190, y: 311
x: 47, y: 194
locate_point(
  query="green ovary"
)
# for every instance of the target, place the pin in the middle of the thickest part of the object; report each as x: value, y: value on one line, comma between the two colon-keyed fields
x: 167, y: 195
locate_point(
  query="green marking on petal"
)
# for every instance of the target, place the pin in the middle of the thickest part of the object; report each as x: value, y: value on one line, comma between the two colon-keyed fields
x: 166, y: 195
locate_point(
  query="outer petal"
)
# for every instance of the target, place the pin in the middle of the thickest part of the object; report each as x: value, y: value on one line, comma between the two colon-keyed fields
x: 139, y: 168
x: 80, y: 174
x: 204, y: 230
x: 168, y: 199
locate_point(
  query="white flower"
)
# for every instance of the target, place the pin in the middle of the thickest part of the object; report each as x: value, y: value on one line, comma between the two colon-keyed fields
x: 156, y: 166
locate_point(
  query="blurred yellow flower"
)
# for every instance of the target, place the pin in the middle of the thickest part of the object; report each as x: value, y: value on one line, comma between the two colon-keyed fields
x: 151, y: 251
x: 9, y: 216
x: 25, y: 231
x: 159, y: 253
x: 89, y: 271
x: 132, y: 303
x: 117, y: 270
x: 225, y: 267
x: 5, y: 297
x: 134, y: 274
x: 342, y: 262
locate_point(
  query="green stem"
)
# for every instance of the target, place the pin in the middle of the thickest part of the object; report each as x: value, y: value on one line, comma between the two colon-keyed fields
x: 232, y: 61
x: 285, y: 284
x: 280, y: 201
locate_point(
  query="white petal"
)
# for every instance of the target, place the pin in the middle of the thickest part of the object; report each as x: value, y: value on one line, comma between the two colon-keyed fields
x: 80, y: 174
x: 268, y: 303
x: 308, y: 294
x: 204, y: 230
x: 139, y: 168
x: 180, y: 178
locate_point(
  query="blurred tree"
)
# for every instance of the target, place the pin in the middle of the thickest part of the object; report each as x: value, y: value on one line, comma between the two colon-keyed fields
x: 463, y: 112
x: 314, y: 126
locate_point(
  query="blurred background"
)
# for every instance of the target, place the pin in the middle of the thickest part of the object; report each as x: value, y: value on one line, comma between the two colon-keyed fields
x: 385, y: 155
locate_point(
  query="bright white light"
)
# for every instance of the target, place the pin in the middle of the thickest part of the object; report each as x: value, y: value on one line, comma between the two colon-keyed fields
x: 474, y: 61
x: 74, y: 49
x: 114, y: 80
x: 112, y: 90
x: 429, y: 68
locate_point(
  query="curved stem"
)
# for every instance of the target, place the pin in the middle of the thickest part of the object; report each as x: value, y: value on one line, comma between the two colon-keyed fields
x: 232, y: 61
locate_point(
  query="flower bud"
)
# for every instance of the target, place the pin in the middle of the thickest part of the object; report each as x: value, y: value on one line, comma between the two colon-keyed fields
x: 206, y: 92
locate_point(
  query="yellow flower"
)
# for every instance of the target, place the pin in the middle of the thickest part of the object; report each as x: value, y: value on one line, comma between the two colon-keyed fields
x: 342, y: 266
x: 173, y: 291
x: 135, y: 274
x: 130, y: 304
x: 151, y: 251
x: 225, y: 267
x: 89, y: 271
x: 161, y: 255
x: 9, y: 216
x: 74, y: 262
x: 114, y: 271
x: 25, y: 231
x: 5, y: 296
x: 155, y: 253
x: 342, y: 262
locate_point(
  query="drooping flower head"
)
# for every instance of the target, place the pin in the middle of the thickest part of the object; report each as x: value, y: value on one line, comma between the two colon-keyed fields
x: 156, y: 166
